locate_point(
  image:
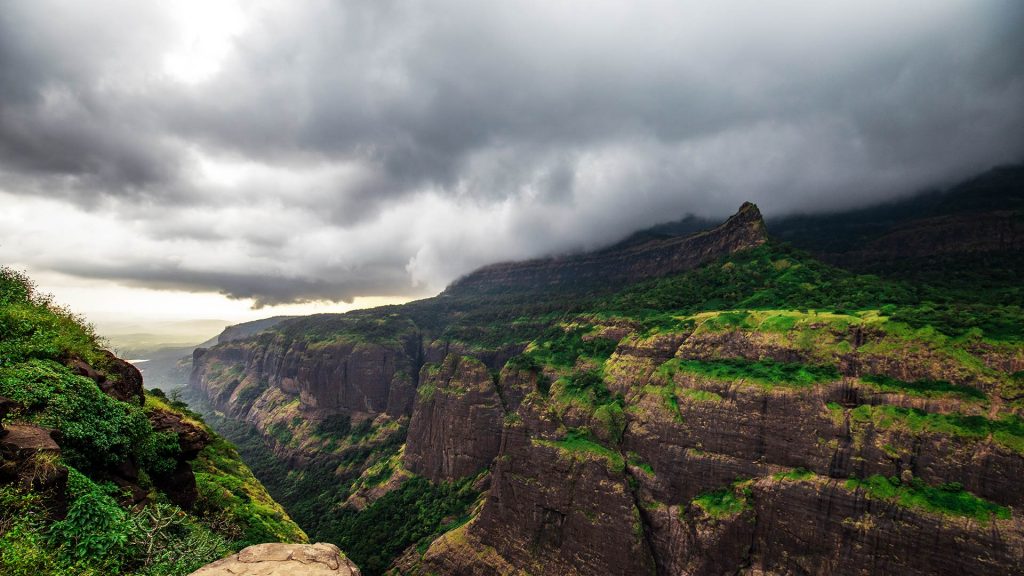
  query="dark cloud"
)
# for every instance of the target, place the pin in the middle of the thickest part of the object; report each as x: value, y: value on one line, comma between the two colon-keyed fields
x: 342, y: 149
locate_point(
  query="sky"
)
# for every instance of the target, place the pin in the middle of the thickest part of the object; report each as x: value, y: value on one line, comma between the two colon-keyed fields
x: 230, y: 160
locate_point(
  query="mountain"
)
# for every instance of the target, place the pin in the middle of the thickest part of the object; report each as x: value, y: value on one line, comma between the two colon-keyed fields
x: 625, y: 263
x: 713, y: 403
x: 982, y: 214
x: 99, y: 475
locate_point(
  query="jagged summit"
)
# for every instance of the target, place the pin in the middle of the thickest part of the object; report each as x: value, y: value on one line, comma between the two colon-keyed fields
x: 621, y: 264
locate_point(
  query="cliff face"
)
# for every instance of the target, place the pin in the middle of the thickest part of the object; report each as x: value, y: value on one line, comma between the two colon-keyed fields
x: 456, y: 424
x: 708, y: 429
x: 783, y: 459
x: 343, y: 377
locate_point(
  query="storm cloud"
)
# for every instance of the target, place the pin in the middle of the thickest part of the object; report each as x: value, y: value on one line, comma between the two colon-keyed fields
x: 314, y: 150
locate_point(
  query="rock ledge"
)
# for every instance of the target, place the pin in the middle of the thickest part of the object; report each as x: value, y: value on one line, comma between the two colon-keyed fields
x: 283, y: 559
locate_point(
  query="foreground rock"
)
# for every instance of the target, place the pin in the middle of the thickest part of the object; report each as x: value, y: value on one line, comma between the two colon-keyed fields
x: 283, y: 559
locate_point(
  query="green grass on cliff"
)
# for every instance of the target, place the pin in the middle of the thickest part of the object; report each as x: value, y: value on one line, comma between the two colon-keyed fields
x: 926, y: 388
x: 725, y: 502
x: 766, y: 372
x: 562, y: 347
x: 1007, y: 430
x: 579, y: 443
x: 778, y: 277
x: 948, y: 499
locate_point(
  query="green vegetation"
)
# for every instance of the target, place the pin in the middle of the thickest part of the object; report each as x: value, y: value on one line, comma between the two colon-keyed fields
x: 927, y: 388
x: 949, y: 499
x: 634, y: 459
x: 231, y: 496
x: 587, y: 385
x: 725, y: 502
x: 778, y: 277
x: 581, y: 443
x: 101, y: 533
x: 561, y: 348
x: 415, y: 513
x: 766, y: 372
x: 1008, y: 430
x: 98, y: 431
x: 795, y: 474
x: 33, y: 327
x: 99, y: 536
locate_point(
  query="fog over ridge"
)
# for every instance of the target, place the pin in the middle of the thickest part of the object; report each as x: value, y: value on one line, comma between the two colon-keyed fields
x: 303, y: 151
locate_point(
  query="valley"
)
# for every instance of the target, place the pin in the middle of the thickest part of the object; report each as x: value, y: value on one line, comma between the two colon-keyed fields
x: 714, y: 403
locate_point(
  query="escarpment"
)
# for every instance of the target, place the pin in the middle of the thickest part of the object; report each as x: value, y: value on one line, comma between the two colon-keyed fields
x: 734, y: 407
x: 715, y: 475
x: 605, y: 270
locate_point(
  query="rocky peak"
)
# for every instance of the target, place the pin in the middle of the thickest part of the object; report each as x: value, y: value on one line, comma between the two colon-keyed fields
x: 611, y: 268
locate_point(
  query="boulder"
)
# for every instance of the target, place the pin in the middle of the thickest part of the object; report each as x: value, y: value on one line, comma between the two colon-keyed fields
x: 283, y: 560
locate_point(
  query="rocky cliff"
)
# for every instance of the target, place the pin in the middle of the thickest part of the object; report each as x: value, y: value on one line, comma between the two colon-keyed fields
x: 723, y: 474
x: 736, y: 408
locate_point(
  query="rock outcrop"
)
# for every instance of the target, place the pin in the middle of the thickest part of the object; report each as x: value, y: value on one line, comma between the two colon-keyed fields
x: 333, y: 377
x: 318, y: 559
x: 564, y: 506
x: 30, y: 457
x: 456, y: 423
x: 118, y: 379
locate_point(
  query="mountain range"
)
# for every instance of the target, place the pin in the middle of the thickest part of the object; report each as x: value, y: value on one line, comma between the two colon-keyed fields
x: 837, y: 394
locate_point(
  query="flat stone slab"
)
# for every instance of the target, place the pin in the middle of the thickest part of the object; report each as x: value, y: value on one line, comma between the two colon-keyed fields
x: 27, y: 439
x: 320, y: 559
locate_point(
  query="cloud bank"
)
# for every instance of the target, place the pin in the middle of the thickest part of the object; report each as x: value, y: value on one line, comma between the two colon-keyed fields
x: 312, y: 150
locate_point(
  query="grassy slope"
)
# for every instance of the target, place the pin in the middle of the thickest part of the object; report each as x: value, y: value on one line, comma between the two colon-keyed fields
x: 99, y: 536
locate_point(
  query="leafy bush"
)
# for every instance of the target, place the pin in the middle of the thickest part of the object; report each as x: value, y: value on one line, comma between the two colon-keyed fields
x: 96, y: 527
x: 98, y: 431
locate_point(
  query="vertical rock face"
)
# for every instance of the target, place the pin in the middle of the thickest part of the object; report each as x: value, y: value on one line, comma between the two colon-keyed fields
x: 456, y: 423
x: 342, y: 377
x: 559, y: 505
x: 551, y: 510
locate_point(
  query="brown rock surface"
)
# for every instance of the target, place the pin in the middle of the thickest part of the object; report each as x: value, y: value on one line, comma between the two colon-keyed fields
x: 119, y: 379
x: 274, y: 559
x: 30, y: 457
x: 456, y: 423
